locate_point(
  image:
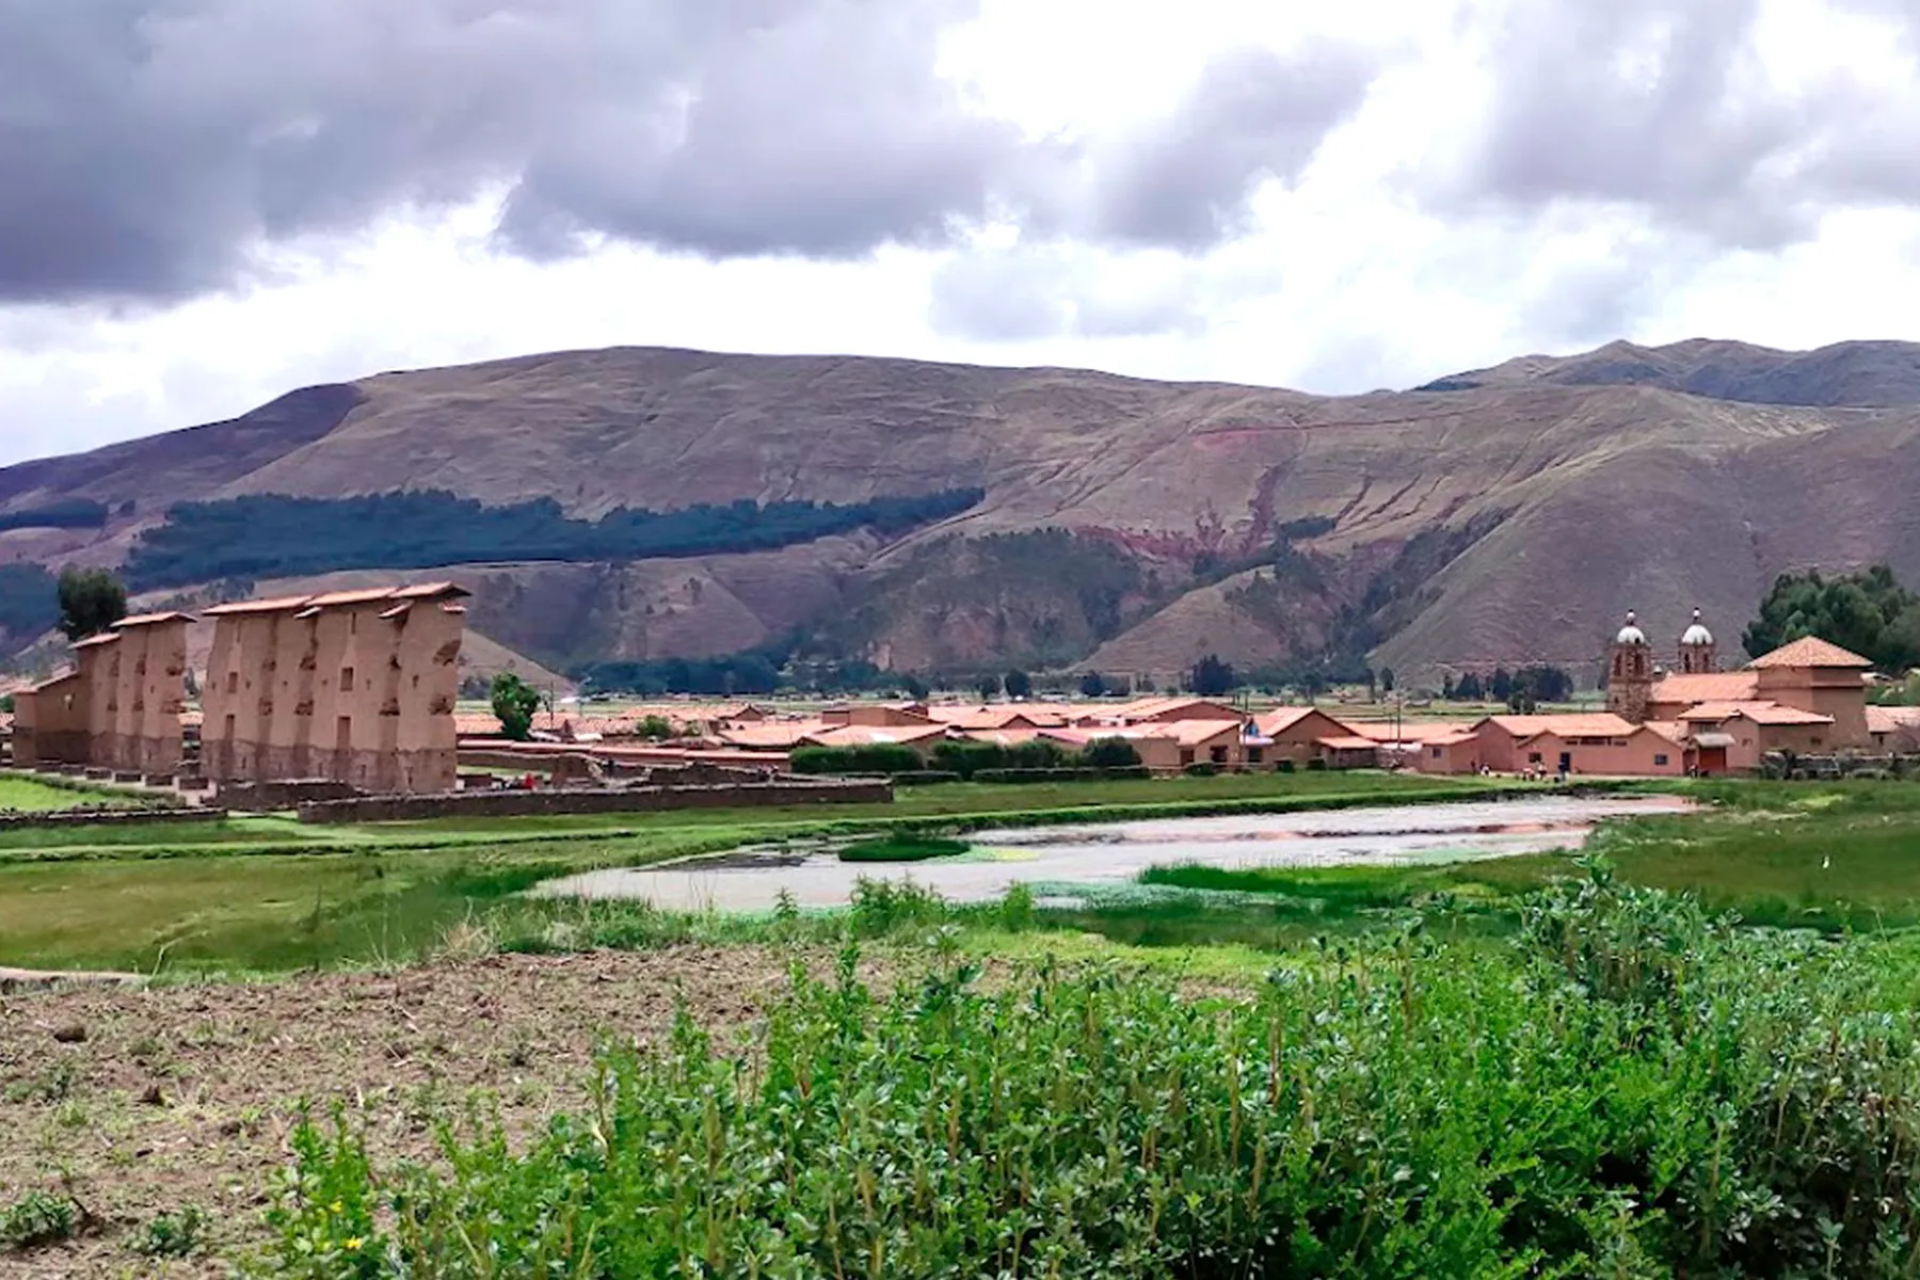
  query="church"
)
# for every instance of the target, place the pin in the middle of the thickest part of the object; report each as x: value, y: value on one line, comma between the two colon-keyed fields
x: 1808, y: 697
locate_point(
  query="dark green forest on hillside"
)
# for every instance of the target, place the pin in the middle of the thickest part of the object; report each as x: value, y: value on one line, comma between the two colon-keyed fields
x: 271, y: 535
x: 74, y: 513
x: 29, y: 604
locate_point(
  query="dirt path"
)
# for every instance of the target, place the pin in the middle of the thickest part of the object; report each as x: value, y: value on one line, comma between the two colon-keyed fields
x: 150, y: 1098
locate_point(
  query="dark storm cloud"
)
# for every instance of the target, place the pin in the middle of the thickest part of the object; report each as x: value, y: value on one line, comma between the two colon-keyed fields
x: 1665, y: 105
x: 1254, y: 114
x: 148, y: 148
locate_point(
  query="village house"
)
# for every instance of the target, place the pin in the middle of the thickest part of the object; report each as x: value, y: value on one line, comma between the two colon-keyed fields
x: 1894, y: 728
x: 1302, y: 735
x: 1166, y: 746
x: 919, y: 738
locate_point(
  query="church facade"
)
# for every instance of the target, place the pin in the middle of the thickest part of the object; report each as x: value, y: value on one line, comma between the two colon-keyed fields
x: 1807, y: 697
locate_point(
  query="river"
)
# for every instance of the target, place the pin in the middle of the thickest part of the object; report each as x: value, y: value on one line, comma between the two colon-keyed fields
x: 1111, y: 852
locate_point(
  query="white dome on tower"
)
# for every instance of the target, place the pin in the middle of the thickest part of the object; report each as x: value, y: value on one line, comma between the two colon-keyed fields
x: 1697, y: 634
x: 1631, y: 633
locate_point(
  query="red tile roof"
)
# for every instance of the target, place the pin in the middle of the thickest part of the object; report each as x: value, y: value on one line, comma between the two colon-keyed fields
x: 1587, y: 724
x: 1713, y: 686
x: 1188, y: 707
x: 1410, y: 730
x: 1348, y: 744
x: 1280, y: 719
x: 1757, y: 711
x: 778, y: 733
x: 860, y: 735
x: 1809, y: 651
x: 332, y: 599
x: 282, y: 604
x: 152, y: 619
x: 1892, y: 719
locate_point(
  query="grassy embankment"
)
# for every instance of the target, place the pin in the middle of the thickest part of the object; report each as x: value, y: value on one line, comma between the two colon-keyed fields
x: 266, y: 894
x: 27, y: 794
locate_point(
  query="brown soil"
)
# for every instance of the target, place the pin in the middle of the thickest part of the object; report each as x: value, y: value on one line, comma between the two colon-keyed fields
x: 142, y: 1100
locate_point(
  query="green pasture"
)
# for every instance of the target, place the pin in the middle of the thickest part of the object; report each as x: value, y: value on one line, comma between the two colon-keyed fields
x: 269, y: 894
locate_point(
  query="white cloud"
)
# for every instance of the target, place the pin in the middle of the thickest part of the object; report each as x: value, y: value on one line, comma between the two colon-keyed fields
x: 1400, y: 248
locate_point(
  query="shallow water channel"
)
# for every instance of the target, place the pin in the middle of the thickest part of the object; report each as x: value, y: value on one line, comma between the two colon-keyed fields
x: 1096, y: 853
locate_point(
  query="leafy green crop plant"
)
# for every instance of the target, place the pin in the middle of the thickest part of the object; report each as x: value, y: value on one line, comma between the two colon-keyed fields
x: 1631, y: 1089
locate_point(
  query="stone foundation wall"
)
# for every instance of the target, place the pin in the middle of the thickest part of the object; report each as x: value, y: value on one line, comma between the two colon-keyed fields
x: 276, y: 797
x: 1780, y: 765
x: 108, y: 817
x: 522, y: 804
x: 368, y: 771
x: 51, y: 747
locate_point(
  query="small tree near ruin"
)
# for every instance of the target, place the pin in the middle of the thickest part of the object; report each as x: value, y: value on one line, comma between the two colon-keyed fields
x: 514, y: 702
x: 91, y: 601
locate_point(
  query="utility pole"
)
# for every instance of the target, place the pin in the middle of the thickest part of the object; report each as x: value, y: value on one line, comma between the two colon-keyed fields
x: 1397, y: 753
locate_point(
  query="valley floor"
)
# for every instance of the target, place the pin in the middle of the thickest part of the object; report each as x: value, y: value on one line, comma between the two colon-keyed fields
x: 442, y: 994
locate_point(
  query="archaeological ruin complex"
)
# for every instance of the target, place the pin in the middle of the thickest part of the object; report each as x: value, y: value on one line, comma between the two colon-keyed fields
x: 351, y: 686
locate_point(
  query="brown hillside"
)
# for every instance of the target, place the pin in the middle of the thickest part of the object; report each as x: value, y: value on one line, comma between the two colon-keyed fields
x: 1507, y: 521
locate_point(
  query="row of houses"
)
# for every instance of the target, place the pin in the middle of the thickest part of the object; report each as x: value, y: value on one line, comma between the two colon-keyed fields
x: 1806, y: 698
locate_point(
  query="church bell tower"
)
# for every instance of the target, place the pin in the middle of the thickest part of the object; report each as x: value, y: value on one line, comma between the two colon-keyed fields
x: 1630, y: 673
x: 1698, y: 653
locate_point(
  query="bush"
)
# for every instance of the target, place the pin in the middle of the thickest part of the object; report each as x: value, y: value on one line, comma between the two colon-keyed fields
x: 1201, y: 769
x: 1317, y: 763
x: 879, y: 758
x: 514, y: 704
x: 924, y: 777
x: 902, y: 848
x: 1110, y: 753
x: 1630, y: 1090
x: 172, y: 1235
x: 1286, y: 766
x: 965, y: 758
x: 36, y: 1219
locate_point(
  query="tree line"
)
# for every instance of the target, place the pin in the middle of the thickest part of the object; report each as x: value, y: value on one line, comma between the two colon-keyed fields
x: 1867, y: 612
x: 68, y: 513
x: 272, y: 535
x: 1528, y: 686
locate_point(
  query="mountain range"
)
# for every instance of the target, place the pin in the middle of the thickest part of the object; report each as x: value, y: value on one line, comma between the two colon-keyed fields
x: 1505, y: 515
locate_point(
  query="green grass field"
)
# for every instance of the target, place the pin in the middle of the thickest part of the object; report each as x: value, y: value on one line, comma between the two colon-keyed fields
x: 267, y: 894
x: 27, y: 794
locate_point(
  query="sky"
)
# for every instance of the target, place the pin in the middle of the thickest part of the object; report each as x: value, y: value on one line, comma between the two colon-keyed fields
x: 207, y: 203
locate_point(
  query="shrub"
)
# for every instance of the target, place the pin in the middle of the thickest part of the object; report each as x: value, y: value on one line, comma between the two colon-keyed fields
x: 902, y: 848
x: 1286, y: 766
x: 966, y: 758
x: 1110, y: 753
x: 514, y: 704
x: 1317, y: 763
x: 36, y: 1219
x: 924, y: 777
x: 1201, y: 769
x: 1633, y: 1089
x: 172, y: 1235
x: 879, y: 758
